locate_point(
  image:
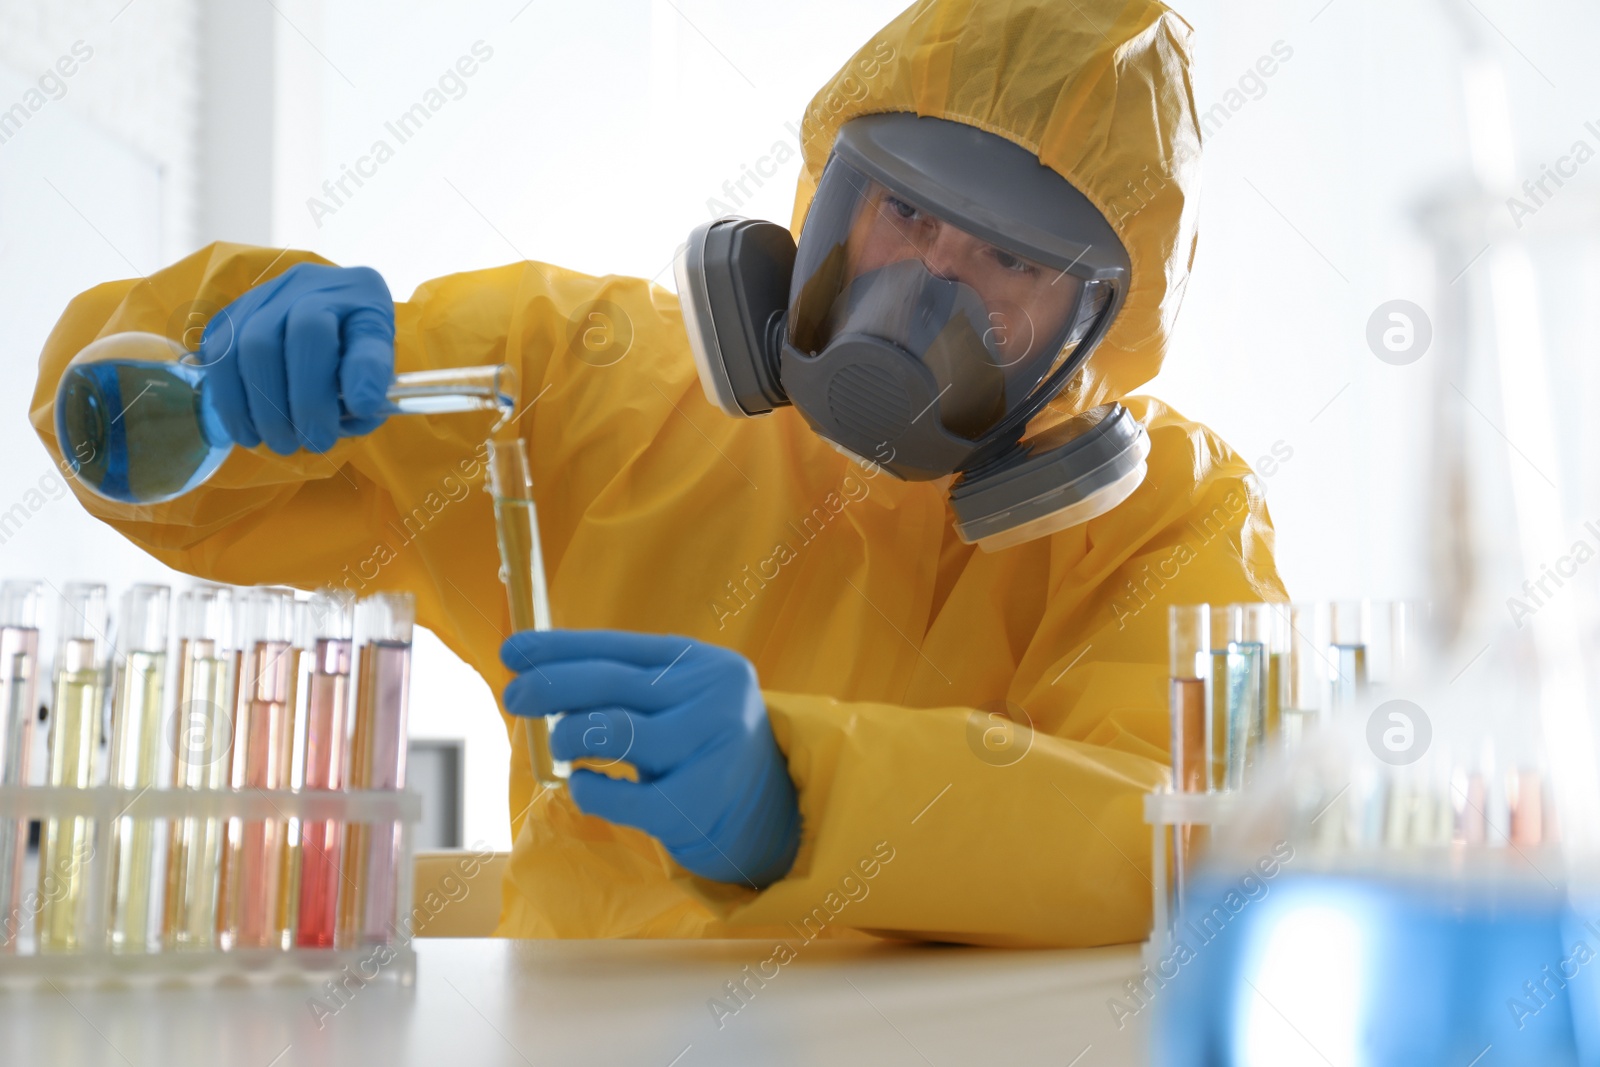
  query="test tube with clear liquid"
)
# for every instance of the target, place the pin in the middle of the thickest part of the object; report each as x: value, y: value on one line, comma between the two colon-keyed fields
x: 326, y: 695
x: 1394, y: 643
x: 19, y: 704
x: 369, y: 899
x: 1350, y: 630
x: 522, y: 571
x: 1259, y: 672
x: 263, y: 748
x: 136, y: 713
x: 1235, y: 706
x: 133, y: 421
x: 66, y: 844
x: 201, y: 740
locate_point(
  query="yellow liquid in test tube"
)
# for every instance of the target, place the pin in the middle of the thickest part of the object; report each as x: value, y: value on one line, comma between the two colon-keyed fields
x: 201, y: 745
x: 1272, y: 720
x: 135, y: 748
x: 66, y: 845
x: 522, y: 571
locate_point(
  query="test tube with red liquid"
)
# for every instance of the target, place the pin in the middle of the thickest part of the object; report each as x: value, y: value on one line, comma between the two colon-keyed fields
x: 263, y: 751
x: 326, y: 696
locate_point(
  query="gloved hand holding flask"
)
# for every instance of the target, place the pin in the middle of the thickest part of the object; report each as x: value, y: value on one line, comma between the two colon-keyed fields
x: 297, y: 362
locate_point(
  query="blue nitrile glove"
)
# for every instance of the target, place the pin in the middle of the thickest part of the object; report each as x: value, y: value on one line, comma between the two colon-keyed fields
x: 713, y: 786
x: 302, y: 360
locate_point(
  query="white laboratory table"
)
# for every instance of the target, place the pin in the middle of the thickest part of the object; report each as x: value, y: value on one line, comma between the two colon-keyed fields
x: 478, y: 1003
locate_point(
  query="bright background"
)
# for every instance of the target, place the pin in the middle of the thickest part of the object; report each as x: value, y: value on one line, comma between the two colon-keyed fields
x: 597, y: 133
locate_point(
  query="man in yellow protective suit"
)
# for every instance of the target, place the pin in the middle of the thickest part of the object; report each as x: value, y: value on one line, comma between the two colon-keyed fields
x: 888, y: 660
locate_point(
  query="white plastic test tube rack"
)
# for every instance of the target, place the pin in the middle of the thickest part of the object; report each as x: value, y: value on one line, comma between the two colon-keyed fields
x: 1170, y: 814
x: 76, y: 919
x: 95, y: 964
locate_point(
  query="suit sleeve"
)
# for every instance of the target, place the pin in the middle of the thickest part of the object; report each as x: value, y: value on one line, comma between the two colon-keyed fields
x: 974, y: 827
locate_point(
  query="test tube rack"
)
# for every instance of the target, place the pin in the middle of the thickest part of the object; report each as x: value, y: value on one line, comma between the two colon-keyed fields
x: 1167, y: 813
x: 95, y: 965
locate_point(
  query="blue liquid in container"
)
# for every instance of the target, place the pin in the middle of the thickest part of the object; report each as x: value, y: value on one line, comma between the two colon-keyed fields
x: 1360, y: 971
x: 136, y: 431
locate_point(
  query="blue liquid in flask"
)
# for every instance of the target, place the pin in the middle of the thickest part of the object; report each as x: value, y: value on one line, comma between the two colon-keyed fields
x: 1368, y: 971
x: 136, y: 430
x: 133, y: 422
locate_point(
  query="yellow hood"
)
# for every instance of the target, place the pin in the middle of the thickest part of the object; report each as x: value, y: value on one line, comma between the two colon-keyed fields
x: 1098, y: 89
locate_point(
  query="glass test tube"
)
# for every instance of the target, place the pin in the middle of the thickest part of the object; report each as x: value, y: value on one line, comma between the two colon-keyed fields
x: 1469, y: 793
x: 1254, y: 648
x: 522, y: 570
x: 19, y: 704
x: 66, y: 845
x: 263, y: 749
x: 293, y: 756
x: 202, y: 746
x: 1280, y: 645
x: 1525, y: 797
x: 1305, y: 676
x: 1235, y: 696
x: 326, y: 696
x: 136, y: 711
x: 1189, y: 649
x: 1394, y: 643
x: 1189, y: 652
x: 367, y: 906
x: 1349, y: 633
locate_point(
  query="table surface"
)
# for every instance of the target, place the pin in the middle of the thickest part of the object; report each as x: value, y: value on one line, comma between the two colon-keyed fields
x: 477, y: 1003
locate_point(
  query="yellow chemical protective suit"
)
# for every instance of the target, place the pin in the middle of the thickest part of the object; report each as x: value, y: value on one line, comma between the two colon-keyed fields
x: 888, y: 651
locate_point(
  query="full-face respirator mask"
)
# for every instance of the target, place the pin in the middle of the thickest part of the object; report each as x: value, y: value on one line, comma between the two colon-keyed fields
x: 946, y: 287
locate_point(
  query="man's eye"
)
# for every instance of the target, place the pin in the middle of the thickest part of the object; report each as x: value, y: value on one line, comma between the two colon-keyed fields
x: 1008, y: 261
x: 903, y: 209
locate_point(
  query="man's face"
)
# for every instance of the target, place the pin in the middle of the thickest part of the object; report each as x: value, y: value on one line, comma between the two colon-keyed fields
x: 1028, y: 303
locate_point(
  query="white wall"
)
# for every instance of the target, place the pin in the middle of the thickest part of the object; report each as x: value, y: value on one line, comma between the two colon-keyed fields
x: 1310, y: 220
x: 97, y: 181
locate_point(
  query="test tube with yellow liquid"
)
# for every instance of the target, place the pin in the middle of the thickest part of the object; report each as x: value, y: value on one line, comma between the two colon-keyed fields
x: 66, y: 844
x: 136, y: 712
x: 201, y: 742
x: 516, y: 521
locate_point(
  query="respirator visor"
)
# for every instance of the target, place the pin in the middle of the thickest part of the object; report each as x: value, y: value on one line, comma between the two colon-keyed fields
x: 991, y: 323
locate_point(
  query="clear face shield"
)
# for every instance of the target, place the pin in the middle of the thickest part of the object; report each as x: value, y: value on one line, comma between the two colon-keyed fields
x: 988, y: 324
